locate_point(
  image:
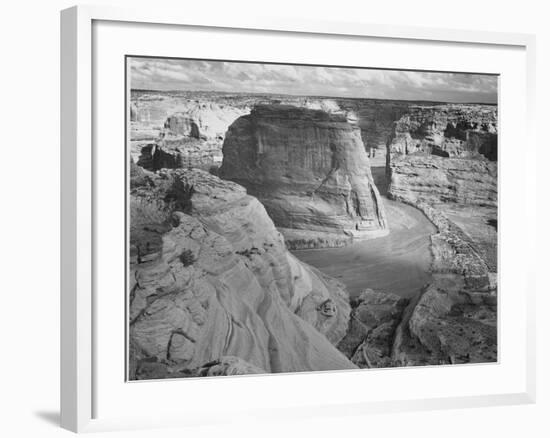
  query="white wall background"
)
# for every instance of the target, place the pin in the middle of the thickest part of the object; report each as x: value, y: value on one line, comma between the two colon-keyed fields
x: 29, y: 215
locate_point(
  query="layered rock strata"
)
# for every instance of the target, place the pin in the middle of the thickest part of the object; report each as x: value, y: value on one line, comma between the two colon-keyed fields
x: 171, y: 152
x: 184, y: 132
x: 211, y: 277
x: 207, y: 121
x: 451, y: 130
x: 436, y: 180
x: 309, y: 169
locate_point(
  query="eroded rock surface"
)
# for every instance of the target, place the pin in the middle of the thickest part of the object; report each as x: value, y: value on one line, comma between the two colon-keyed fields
x: 309, y: 169
x: 208, y: 120
x: 373, y: 321
x: 178, y: 152
x: 449, y: 130
x: 172, y: 131
x: 437, y: 180
x: 211, y: 277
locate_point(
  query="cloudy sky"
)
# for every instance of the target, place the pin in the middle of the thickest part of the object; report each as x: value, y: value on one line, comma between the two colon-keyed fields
x: 172, y: 74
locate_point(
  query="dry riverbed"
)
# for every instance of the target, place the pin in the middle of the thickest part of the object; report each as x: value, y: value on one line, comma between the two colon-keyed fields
x: 397, y: 263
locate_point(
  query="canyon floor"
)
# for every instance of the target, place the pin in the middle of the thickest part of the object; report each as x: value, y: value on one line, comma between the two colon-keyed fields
x: 398, y: 263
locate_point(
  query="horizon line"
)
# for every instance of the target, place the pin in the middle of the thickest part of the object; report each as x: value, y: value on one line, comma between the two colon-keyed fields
x: 314, y: 95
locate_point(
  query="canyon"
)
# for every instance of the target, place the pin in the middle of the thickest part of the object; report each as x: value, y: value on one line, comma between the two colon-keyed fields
x: 277, y: 233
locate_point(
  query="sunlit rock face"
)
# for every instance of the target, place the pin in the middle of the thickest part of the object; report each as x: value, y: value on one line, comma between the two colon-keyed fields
x: 211, y: 277
x: 207, y: 120
x: 447, y: 130
x: 185, y: 129
x: 309, y: 169
x: 438, y: 180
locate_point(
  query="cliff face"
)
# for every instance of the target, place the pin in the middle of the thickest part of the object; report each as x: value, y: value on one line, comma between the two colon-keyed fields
x: 450, y: 130
x: 171, y: 152
x: 211, y: 277
x: 206, y: 121
x: 309, y: 169
x: 439, y: 180
x: 444, y: 163
x: 182, y: 131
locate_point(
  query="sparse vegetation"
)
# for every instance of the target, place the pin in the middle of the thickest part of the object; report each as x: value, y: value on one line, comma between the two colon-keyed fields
x: 187, y: 257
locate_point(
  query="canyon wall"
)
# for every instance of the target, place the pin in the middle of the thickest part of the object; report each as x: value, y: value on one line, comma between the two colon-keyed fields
x: 448, y: 130
x: 183, y: 130
x: 210, y: 278
x: 309, y: 169
x: 444, y: 162
x: 438, y: 180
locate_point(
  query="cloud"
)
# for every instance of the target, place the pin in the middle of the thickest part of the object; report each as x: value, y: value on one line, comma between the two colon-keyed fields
x: 181, y: 74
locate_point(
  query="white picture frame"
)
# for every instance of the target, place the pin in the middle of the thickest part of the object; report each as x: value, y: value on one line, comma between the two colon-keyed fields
x: 79, y: 202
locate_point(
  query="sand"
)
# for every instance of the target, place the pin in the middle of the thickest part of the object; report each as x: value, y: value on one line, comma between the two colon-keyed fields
x: 397, y: 263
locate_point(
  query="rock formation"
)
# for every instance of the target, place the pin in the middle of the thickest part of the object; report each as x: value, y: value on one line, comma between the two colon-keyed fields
x: 454, y: 318
x: 309, y: 169
x: 188, y: 132
x: 214, y: 290
x: 211, y: 277
x: 373, y: 322
x: 207, y: 120
x: 174, y: 152
x: 450, y: 130
x: 438, y: 180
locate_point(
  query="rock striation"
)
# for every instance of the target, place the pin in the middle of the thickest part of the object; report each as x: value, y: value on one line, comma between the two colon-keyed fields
x: 174, y: 152
x: 184, y: 131
x: 207, y: 120
x: 438, y: 180
x: 450, y: 130
x: 211, y: 277
x: 309, y: 169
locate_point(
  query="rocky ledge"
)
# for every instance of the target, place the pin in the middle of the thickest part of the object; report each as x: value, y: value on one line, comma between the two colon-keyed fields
x: 211, y: 277
x: 309, y: 169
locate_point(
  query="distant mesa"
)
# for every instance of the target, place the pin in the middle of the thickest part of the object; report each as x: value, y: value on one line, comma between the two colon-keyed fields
x: 310, y: 170
x: 207, y: 121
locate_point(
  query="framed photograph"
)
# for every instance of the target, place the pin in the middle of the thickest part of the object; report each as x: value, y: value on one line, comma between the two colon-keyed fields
x: 263, y: 207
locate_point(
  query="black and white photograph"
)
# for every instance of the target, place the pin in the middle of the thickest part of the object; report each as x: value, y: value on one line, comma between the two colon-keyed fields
x: 288, y: 218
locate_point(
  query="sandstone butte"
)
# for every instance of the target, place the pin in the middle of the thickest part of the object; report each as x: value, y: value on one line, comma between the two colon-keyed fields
x: 310, y: 170
x: 214, y: 289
